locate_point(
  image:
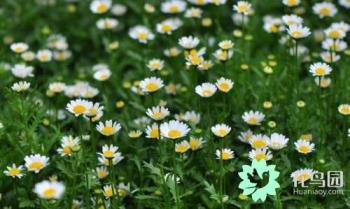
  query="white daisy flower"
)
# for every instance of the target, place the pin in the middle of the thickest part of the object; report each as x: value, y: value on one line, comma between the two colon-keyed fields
x: 102, y: 75
x: 259, y: 141
x: 291, y: 3
x: 28, y: 56
x: 157, y: 112
x: 107, y: 23
x: 323, y: 82
x: 20, y: 86
x: 302, y: 175
x: 44, y: 55
x: 298, y: 31
x: 19, y: 47
x: 242, y: 7
x: 329, y: 57
x: 141, y: 33
x: 224, y: 85
x: 245, y: 136
x: 174, y: 129
x: 304, y: 147
x: 195, y: 143
x: 152, y: 131
x: 173, y: 6
x: 334, y: 45
x: 206, y: 90
x: 110, y: 151
x: 344, y: 109
x: 192, y: 117
x: 226, y: 44
x: 277, y: 141
x: 100, y: 6
x: 14, y: 171
x: 79, y: 106
x: 57, y: 87
x: 102, y: 172
x: 193, y: 13
x: 221, y: 130
x: 189, y: 42
x: 253, y: 118
x: 118, y: 9
x: 155, y: 64
x: 49, y: 189
x: 260, y: 154
x: 224, y: 154
x: 36, y: 162
x: 324, y: 9
x: 22, y: 71
x: 151, y: 84
x: 69, y: 145
x: 320, y: 69
x: 108, y: 128
x: 182, y: 147
x: 292, y: 19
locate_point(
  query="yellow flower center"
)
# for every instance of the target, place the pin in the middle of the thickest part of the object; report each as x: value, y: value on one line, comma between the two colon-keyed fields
x: 225, y: 155
x: 108, y: 192
x: 154, y: 133
x: 320, y: 71
x: 67, y: 150
x: 304, y: 149
x: 292, y: 2
x: 252, y: 120
x: 152, y: 87
x: 36, y: 165
x: 142, y: 35
x: 260, y: 156
x: 101, y: 174
x: 181, y: 148
x: 195, y: 60
x: 108, y: 154
x: 14, y: 171
x: 108, y: 130
x: 325, y: 11
x: 49, y: 192
x: 334, y: 34
x: 174, y: 133
x: 259, y: 143
x: 194, y: 144
x: 174, y: 8
x: 157, y: 115
x: 102, y: 8
x: 207, y: 92
x: 345, y: 110
x: 242, y: 8
x: 222, y: 132
x: 79, y: 109
x: 224, y: 86
x: 166, y: 28
x: 296, y: 33
x: 303, y: 177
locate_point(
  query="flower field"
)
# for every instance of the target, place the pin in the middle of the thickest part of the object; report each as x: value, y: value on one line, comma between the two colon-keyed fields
x: 174, y: 104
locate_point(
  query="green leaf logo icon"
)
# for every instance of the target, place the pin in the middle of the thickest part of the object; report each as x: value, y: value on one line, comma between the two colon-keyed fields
x: 259, y: 180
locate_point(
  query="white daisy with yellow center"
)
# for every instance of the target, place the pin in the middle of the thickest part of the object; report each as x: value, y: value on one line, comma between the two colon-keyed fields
x: 193, y: 13
x: 334, y: 45
x: 320, y: 69
x: 253, y: 118
x: 100, y: 6
x: 277, y: 141
x: 110, y: 151
x: 291, y: 3
x: 192, y: 117
x: 259, y: 141
x: 182, y: 147
x: 173, y: 6
x: 188, y: 42
x: 158, y: 112
x: 69, y: 145
x: 335, y: 33
x: 102, y: 75
x: 304, y: 147
x: 44, y: 55
x: 329, y: 57
x: 152, y: 131
x: 224, y: 84
x: 155, y: 64
x: 14, y: 171
x: 302, y: 175
x: 344, y: 109
x: 174, y: 129
x: 298, y: 31
x: 205, y: 65
x: 109, y: 191
x: 224, y: 154
x: 325, y: 9
x: 106, y: 161
x: 141, y: 33
x: 151, y: 84
x: 79, y: 106
x: 36, y: 162
x: 221, y: 130
x: 134, y: 134
x: 226, y: 44
x: 107, y: 23
x: 206, y: 90
x: 223, y: 55
x: 108, y: 128
x: 292, y: 19
x: 49, y: 189
x: 19, y: 47
x: 57, y: 87
x: 260, y: 154
x: 102, y: 172
x: 245, y: 136
x: 323, y: 82
x: 28, y: 56
x: 195, y: 143
x: 242, y: 7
